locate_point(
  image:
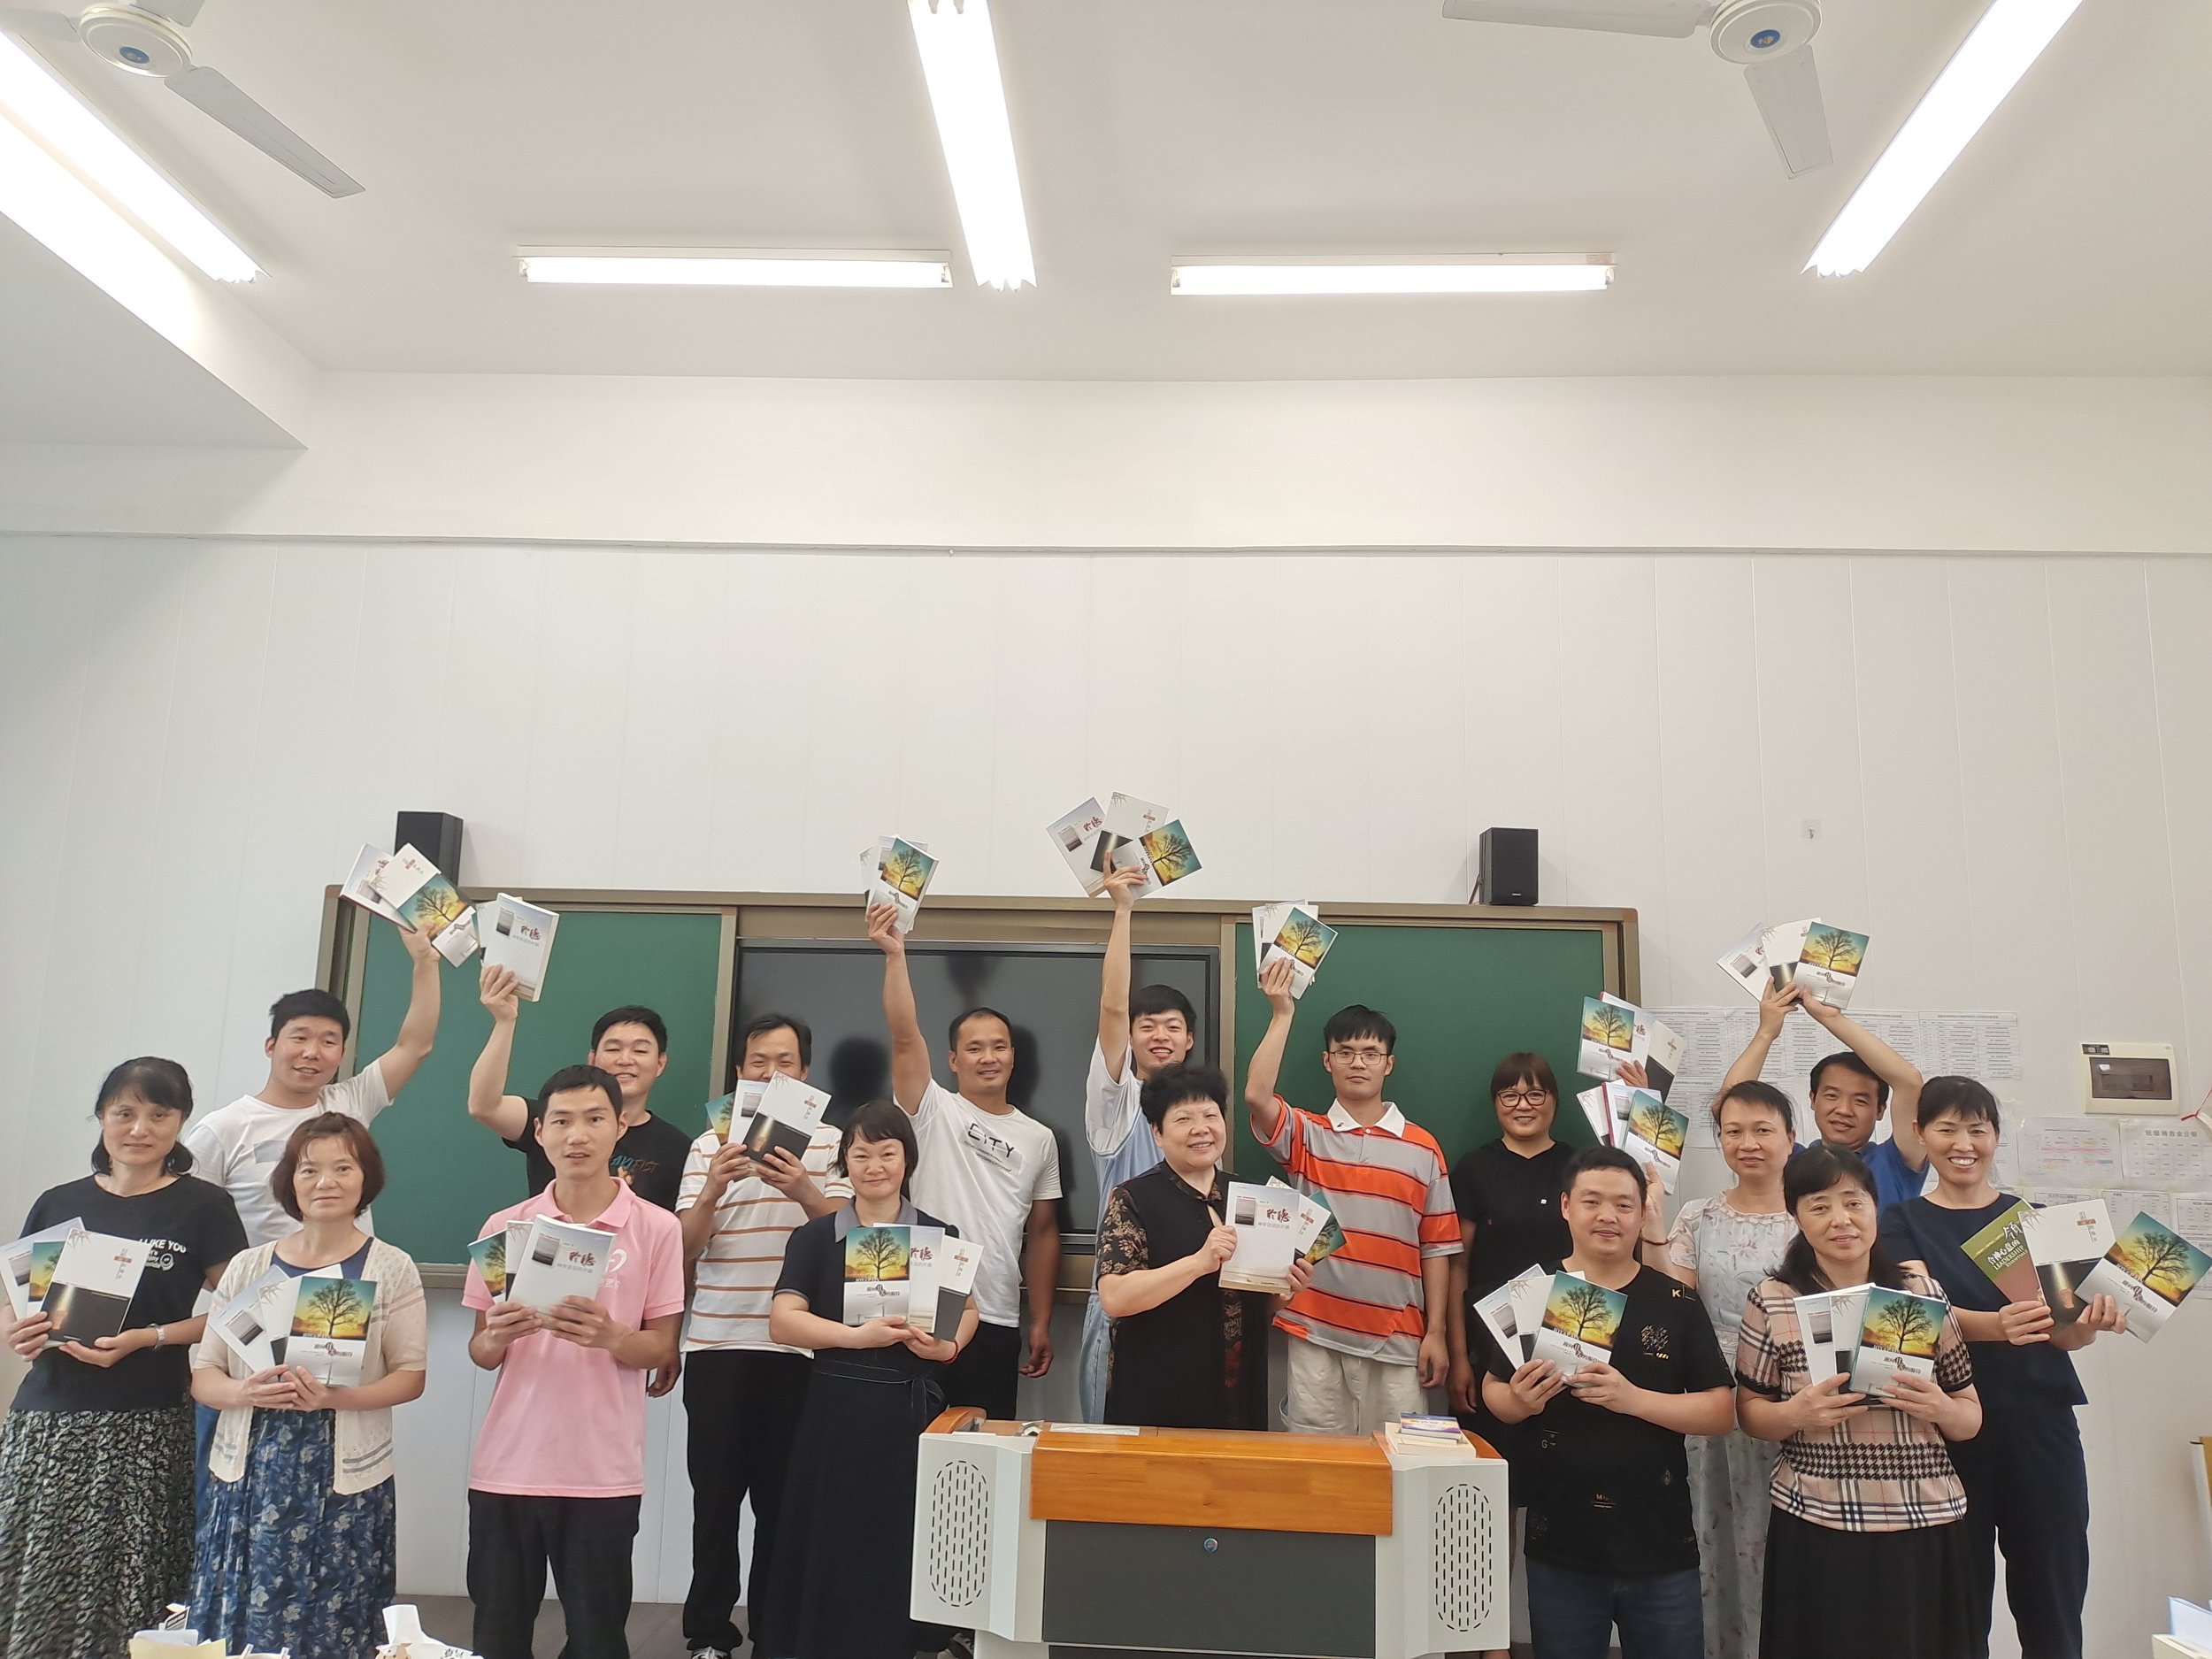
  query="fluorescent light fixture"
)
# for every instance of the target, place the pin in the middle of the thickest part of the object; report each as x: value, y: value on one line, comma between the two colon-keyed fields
x: 1465, y: 273
x: 960, y: 63
x: 50, y: 112
x: 2010, y: 36
x: 736, y: 268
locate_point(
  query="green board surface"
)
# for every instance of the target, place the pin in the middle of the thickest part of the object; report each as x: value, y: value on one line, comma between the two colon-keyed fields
x: 444, y: 1172
x: 1461, y: 998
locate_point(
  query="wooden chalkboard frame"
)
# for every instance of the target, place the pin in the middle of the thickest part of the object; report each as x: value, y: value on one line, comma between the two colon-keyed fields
x: 1074, y: 921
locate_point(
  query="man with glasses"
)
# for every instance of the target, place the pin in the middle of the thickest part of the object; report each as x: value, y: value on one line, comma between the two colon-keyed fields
x: 1363, y: 1345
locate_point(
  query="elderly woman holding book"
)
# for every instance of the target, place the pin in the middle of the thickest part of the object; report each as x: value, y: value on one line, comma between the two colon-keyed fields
x: 1187, y: 1354
x: 314, y: 1340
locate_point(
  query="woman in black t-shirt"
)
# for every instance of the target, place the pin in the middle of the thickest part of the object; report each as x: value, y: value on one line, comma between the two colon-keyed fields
x: 95, y: 1458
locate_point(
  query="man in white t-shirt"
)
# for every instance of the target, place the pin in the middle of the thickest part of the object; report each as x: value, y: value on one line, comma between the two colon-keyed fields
x: 990, y: 1170
x: 742, y: 1393
x: 1137, y: 1036
x: 237, y: 1146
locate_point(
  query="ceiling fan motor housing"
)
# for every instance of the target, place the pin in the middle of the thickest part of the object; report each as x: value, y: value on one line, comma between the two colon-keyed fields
x: 135, y: 40
x: 1753, y: 30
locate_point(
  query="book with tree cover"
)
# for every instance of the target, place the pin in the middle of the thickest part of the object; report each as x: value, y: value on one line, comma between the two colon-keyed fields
x: 491, y: 1253
x: 1266, y: 1223
x: 2149, y: 1270
x: 1513, y: 1312
x: 1828, y: 963
x: 788, y: 1114
x: 1166, y: 855
x: 558, y: 1259
x: 95, y: 1278
x: 1089, y: 854
x: 2065, y: 1242
x: 899, y: 874
x: 1319, y: 1237
x: 330, y: 1327
x: 29, y: 1264
x: 1608, y: 1038
x: 2001, y: 1250
x: 1579, y: 1322
x: 257, y: 1324
x: 877, y: 1273
x: 1301, y: 937
x: 1656, y: 1134
x: 1898, y: 1334
x: 734, y: 1108
x: 518, y: 934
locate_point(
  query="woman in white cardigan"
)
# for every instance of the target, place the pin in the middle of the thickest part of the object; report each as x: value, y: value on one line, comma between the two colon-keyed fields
x: 296, y: 1547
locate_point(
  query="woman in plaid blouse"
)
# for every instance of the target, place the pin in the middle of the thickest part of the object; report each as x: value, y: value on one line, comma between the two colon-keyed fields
x: 1866, y: 1544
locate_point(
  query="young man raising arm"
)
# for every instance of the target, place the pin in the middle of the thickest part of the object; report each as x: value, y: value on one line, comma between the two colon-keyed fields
x: 1137, y: 1036
x: 990, y: 1170
x: 742, y: 1390
x: 559, y: 1467
x: 1852, y: 1090
x: 1369, y: 1333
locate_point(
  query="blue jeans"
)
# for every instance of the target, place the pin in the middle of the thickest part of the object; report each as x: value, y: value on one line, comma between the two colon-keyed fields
x: 1572, y: 1615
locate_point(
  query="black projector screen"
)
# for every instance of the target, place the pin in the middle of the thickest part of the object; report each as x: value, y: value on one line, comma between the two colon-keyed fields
x: 1050, y: 992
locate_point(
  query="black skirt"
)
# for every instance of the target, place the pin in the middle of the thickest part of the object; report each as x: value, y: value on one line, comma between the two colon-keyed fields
x: 845, y: 1542
x: 1832, y: 1595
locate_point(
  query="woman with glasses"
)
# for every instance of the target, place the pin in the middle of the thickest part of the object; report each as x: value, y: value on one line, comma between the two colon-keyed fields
x: 1506, y: 1193
x: 1723, y: 1247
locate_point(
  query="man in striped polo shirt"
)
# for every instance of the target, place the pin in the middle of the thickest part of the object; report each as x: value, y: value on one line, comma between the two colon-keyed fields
x: 742, y: 1393
x: 1363, y: 1347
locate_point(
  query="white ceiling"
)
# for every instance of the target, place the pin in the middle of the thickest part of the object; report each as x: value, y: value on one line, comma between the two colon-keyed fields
x: 2072, y: 238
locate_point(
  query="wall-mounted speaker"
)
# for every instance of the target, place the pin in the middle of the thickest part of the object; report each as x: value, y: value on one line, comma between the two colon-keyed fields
x: 1506, y: 867
x: 436, y: 836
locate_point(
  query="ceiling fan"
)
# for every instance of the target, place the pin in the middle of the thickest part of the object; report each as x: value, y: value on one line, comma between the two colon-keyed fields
x: 1771, y: 39
x: 147, y: 38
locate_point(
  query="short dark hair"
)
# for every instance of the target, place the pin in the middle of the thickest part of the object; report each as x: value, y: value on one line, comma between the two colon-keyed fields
x: 1851, y: 1062
x: 881, y: 1120
x: 952, y: 1032
x: 1590, y: 1158
x: 1356, y: 1019
x: 1962, y: 1097
x: 284, y: 1179
x: 1171, y: 1086
x: 761, y: 1026
x: 1155, y: 999
x: 1815, y: 1168
x: 309, y: 1004
x: 161, y: 1083
x: 1763, y: 1096
x: 631, y: 1014
x: 574, y: 1077
x: 1523, y: 1069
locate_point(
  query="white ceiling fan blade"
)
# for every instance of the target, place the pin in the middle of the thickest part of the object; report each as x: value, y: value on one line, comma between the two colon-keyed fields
x: 214, y: 92
x: 180, y: 12
x: 1674, y: 19
x: 1788, y: 92
x: 36, y: 26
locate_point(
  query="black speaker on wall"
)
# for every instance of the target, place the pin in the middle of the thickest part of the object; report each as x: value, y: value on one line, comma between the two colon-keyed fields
x: 1506, y: 867
x: 436, y: 836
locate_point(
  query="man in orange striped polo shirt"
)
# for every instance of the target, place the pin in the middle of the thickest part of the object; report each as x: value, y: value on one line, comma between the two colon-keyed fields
x: 1363, y: 1345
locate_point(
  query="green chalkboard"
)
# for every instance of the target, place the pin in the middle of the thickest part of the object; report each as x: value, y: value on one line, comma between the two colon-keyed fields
x: 445, y: 1172
x: 1461, y: 998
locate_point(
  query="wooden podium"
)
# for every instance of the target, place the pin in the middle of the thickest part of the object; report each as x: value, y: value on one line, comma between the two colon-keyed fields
x: 1068, y: 1540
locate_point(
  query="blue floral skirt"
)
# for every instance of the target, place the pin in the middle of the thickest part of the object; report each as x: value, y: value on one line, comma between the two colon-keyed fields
x: 286, y: 1562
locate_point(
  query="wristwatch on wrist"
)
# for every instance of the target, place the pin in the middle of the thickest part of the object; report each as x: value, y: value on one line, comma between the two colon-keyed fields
x: 157, y: 1336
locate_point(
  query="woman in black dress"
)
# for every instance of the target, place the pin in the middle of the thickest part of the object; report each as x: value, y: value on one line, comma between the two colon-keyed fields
x: 1187, y: 1354
x: 845, y: 1542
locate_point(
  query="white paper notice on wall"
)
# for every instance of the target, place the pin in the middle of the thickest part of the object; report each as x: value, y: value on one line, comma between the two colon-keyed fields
x: 2164, y: 1154
x: 2070, y: 1152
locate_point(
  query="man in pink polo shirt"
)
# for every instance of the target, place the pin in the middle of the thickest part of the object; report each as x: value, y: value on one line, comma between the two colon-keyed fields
x: 560, y: 1462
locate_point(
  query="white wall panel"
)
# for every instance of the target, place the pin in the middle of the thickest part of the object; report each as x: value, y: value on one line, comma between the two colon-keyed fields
x: 2007, y: 758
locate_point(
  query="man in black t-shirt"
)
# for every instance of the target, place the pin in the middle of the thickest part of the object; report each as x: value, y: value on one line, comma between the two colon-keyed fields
x: 1609, y: 1542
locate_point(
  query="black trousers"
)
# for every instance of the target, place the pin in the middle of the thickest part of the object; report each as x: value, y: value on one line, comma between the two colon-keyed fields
x: 2027, y: 1493
x: 987, y: 1373
x: 742, y: 1407
x: 586, y: 1542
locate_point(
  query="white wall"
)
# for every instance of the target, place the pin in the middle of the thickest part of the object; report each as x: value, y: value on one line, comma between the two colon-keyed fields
x: 2007, y: 758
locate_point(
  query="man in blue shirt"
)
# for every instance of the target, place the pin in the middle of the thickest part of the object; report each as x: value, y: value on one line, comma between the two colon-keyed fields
x: 1851, y: 1090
